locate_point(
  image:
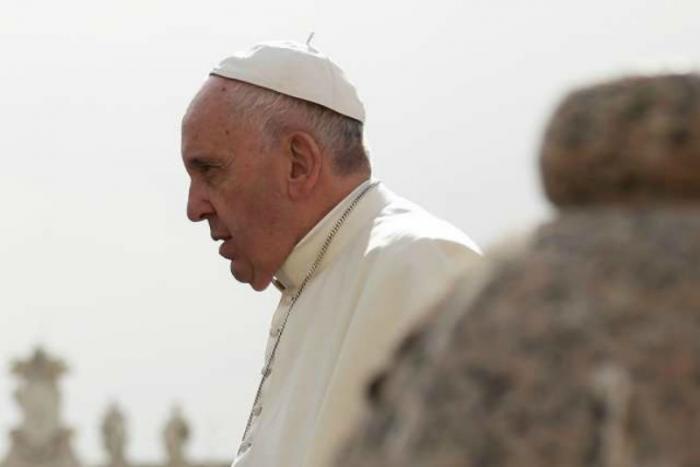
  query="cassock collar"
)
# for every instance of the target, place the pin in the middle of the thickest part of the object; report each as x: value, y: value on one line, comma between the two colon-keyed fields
x: 298, y: 263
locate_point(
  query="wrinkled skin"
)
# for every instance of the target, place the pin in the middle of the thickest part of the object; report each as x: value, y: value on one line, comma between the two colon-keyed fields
x: 237, y: 186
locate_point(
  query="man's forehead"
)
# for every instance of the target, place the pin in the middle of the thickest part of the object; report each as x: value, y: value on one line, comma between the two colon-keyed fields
x: 205, y: 104
x: 211, y: 124
x: 203, y: 130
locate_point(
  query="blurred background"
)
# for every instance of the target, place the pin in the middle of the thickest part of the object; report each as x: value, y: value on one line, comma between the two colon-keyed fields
x: 98, y: 262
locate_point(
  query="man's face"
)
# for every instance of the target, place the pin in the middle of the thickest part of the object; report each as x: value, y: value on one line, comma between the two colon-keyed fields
x: 236, y: 185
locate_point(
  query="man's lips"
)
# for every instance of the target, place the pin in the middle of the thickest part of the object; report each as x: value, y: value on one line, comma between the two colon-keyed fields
x: 225, y: 250
x: 217, y: 237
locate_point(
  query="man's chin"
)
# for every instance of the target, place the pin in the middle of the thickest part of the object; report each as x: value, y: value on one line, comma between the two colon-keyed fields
x: 259, y: 286
x: 247, y: 276
x: 241, y: 273
x: 260, y: 281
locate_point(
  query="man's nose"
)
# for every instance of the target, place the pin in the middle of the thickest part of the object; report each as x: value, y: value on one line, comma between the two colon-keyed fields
x: 198, y: 206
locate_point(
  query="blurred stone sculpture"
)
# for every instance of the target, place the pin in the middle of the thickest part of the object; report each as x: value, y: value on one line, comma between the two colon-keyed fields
x: 41, y: 440
x: 114, y: 437
x: 632, y: 141
x: 582, y: 349
x: 176, y: 434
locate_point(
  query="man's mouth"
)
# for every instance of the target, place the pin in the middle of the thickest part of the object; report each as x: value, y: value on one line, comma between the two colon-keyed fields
x: 224, y: 250
x: 216, y: 236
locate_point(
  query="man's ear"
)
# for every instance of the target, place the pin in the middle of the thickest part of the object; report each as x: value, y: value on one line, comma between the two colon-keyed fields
x: 305, y: 163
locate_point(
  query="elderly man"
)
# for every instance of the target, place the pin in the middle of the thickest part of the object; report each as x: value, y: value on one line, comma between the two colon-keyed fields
x: 274, y: 149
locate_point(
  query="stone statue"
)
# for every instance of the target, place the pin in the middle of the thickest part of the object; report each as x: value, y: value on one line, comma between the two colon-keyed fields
x: 114, y: 437
x: 583, y: 348
x: 175, y: 435
x: 40, y: 440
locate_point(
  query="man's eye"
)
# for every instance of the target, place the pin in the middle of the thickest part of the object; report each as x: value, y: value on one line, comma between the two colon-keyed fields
x: 205, y: 168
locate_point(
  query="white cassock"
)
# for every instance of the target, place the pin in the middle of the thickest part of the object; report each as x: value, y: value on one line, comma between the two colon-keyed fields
x: 389, y: 262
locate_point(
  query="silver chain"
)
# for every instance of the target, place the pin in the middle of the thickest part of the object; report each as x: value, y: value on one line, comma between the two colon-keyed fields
x: 295, y: 297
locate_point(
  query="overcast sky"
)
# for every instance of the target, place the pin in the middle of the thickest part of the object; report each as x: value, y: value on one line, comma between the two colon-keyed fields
x: 97, y: 260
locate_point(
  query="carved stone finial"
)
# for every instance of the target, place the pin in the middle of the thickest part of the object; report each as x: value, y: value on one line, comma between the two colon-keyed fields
x: 630, y: 141
x: 39, y: 367
x: 582, y: 349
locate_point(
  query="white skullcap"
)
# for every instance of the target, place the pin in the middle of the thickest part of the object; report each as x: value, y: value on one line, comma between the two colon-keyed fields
x: 297, y: 70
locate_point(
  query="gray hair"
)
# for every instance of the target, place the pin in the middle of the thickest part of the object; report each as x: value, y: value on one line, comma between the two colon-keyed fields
x: 275, y: 113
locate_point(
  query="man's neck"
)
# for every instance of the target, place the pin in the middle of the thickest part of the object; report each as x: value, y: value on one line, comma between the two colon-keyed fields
x: 326, y: 204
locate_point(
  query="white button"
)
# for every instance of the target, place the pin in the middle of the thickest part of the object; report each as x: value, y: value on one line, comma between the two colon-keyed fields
x: 266, y: 371
x: 257, y: 410
x: 244, y: 447
x: 275, y: 332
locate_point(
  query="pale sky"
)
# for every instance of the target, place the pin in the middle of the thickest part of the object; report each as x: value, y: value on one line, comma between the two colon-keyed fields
x: 97, y: 260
